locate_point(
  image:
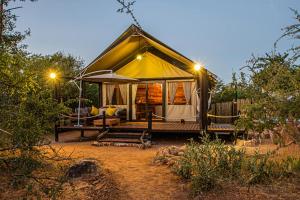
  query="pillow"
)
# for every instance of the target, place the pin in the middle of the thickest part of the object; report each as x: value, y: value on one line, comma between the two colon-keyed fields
x: 118, y: 111
x: 94, y: 111
x: 110, y: 111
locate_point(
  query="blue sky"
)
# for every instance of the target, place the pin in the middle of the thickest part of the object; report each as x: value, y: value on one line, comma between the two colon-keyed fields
x: 221, y: 34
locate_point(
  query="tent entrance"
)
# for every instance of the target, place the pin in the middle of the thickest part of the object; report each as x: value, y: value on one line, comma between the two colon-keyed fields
x: 149, y: 97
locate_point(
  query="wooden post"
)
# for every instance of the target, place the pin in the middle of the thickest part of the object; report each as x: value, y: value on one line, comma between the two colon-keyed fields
x: 198, y: 95
x: 104, y: 120
x: 150, y: 121
x: 130, y: 102
x: 100, y: 94
x: 234, y: 105
x: 164, y: 99
x: 204, y: 99
x: 147, y: 101
x: 81, y: 132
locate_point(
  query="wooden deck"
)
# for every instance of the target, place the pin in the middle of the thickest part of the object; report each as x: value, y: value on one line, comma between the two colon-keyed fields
x: 157, y: 127
x: 173, y: 127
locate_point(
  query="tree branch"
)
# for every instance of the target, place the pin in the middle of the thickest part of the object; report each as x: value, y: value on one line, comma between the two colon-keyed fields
x: 128, y: 10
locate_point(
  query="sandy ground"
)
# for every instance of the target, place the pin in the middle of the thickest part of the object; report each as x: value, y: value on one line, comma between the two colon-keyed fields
x: 132, y: 168
x: 138, y: 178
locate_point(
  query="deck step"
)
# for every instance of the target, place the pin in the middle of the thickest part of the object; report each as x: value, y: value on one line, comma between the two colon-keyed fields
x: 120, y: 140
x: 120, y: 134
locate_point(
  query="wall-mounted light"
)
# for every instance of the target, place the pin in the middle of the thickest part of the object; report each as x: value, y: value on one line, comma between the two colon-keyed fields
x: 197, y: 67
x: 139, y: 57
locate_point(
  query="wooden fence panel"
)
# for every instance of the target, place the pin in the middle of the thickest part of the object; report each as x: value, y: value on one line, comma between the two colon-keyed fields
x: 227, y: 109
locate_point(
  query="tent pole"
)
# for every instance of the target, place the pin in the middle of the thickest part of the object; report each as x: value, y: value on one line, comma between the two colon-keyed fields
x: 198, y: 90
x: 164, y: 99
x: 130, y: 102
x: 204, y: 99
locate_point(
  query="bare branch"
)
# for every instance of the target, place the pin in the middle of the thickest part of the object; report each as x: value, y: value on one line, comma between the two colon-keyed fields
x: 4, y: 131
x: 10, y: 9
x: 126, y: 7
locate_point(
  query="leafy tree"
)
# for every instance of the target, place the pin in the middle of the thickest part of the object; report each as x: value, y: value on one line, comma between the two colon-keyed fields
x: 275, y: 90
x: 292, y: 32
x: 28, y: 110
x: 237, y: 88
x: 9, y: 38
x: 274, y: 86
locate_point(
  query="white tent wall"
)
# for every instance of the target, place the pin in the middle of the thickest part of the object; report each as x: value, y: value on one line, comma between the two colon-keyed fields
x: 178, y: 112
x: 104, y: 99
x: 134, y: 91
x: 104, y: 94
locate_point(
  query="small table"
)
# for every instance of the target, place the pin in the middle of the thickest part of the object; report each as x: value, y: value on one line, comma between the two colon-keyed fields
x: 109, y: 122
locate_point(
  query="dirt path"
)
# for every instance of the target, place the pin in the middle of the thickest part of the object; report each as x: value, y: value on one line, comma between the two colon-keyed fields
x: 133, y: 170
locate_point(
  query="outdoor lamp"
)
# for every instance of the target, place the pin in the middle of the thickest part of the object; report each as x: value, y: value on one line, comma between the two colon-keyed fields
x: 52, y: 75
x: 139, y: 57
x: 197, y: 67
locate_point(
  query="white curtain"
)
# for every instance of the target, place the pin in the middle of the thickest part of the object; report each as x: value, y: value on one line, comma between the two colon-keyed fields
x: 187, y: 89
x: 178, y: 112
x: 194, y: 99
x: 134, y: 90
x: 209, y: 101
x: 123, y: 91
x: 110, y: 93
x: 172, y: 91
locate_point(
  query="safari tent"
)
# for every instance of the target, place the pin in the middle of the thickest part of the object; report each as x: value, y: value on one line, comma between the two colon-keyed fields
x: 168, y: 83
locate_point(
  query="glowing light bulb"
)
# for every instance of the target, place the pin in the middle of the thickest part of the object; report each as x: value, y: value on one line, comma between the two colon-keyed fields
x: 52, y: 75
x: 197, y: 67
x: 139, y: 57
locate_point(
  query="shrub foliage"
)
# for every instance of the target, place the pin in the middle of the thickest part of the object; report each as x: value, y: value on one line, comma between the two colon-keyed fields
x: 209, y: 164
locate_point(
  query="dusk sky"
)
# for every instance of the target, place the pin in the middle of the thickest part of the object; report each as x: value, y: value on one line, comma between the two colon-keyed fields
x: 221, y: 34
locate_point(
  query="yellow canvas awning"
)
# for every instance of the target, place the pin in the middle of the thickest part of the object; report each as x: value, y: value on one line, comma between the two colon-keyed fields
x: 151, y: 67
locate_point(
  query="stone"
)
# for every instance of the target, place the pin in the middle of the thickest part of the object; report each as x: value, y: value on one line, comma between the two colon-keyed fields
x: 83, y: 168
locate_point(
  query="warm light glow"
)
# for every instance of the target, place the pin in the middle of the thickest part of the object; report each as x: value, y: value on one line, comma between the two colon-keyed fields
x: 197, y: 67
x: 139, y: 57
x: 52, y: 75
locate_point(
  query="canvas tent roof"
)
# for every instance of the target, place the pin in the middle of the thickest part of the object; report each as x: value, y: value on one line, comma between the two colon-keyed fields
x: 151, y: 66
x: 122, y: 53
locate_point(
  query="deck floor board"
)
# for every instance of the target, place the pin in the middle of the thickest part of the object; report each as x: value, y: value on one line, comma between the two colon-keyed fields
x: 187, y: 127
x: 175, y: 127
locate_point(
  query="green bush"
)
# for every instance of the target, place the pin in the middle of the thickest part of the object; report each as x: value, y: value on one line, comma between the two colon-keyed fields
x: 258, y: 168
x: 210, y: 163
x: 206, y: 164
